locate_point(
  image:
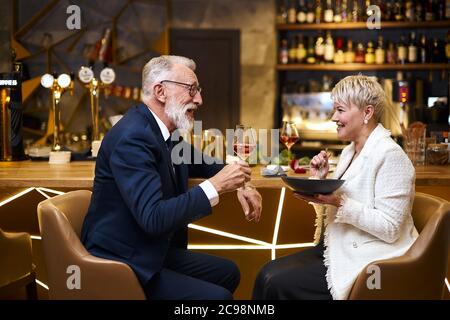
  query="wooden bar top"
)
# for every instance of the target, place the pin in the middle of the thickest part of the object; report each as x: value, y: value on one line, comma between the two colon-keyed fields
x: 80, y: 174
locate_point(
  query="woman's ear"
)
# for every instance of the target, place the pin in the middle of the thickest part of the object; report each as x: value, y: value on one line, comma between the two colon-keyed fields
x: 369, y: 110
x: 159, y: 92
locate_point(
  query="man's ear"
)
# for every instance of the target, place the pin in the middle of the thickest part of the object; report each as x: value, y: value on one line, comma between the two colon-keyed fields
x: 159, y: 92
x: 369, y: 110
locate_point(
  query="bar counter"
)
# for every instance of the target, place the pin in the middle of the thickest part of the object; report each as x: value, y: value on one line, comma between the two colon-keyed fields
x: 286, y: 226
x: 80, y: 174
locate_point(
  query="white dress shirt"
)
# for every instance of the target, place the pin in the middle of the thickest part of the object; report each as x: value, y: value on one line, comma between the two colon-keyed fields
x: 206, y: 185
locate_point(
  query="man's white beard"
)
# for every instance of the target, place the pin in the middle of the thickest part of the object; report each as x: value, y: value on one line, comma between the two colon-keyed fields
x: 177, y: 114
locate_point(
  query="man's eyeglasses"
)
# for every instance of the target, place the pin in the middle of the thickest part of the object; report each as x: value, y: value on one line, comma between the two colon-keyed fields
x: 193, y: 88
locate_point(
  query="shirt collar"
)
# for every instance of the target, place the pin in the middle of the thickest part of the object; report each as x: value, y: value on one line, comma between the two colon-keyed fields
x: 164, y: 131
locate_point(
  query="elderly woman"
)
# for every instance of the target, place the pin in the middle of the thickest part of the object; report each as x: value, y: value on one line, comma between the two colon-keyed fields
x: 367, y: 219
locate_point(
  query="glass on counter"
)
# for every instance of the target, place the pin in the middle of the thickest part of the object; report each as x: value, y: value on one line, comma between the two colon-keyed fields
x: 437, y: 154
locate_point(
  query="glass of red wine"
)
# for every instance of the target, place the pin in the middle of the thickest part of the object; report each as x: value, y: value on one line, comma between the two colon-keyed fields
x: 289, y: 134
x: 244, y: 141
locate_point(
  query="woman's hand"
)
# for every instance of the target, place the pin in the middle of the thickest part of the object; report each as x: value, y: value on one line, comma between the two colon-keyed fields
x: 331, y: 199
x: 319, y: 165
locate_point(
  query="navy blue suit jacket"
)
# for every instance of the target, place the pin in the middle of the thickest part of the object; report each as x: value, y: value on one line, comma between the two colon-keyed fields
x: 139, y: 206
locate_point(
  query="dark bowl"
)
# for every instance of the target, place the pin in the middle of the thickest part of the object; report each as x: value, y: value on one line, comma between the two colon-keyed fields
x: 312, y: 186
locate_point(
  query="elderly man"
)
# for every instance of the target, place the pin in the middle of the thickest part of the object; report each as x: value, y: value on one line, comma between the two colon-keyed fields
x: 141, y: 204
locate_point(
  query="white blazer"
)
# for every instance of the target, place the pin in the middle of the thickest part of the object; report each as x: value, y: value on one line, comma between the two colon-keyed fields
x: 374, y: 221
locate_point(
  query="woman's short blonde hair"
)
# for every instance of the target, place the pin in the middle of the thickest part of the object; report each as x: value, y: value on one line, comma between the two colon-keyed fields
x: 361, y: 91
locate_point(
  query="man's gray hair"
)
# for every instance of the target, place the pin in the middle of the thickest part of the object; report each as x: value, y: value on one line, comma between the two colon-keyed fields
x: 159, y: 68
x: 361, y: 91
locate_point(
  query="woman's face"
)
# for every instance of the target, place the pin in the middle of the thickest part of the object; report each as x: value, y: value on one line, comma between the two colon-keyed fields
x: 349, y: 120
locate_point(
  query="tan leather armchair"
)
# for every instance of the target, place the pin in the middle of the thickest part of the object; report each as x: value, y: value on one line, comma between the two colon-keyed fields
x: 60, y: 222
x: 16, y: 266
x: 420, y: 272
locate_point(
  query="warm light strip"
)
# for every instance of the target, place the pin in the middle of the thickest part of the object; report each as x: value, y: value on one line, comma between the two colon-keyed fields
x: 51, y: 190
x: 43, y: 285
x: 17, y: 195
x: 44, y: 194
x: 295, y: 245
x: 36, y: 237
x: 227, y: 247
x: 277, y: 222
x: 227, y: 234
x: 448, y: 284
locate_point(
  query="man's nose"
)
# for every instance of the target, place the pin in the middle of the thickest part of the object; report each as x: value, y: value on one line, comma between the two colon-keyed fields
x: 198, y: 99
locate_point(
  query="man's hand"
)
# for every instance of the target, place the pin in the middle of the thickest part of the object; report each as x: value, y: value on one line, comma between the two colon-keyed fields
x: 331, y: 199
x: 231, y: 177
x: 251, y: 202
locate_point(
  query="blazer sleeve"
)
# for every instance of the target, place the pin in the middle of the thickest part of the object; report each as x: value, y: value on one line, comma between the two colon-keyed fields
x: 133, y: 163
x: 394, y: 190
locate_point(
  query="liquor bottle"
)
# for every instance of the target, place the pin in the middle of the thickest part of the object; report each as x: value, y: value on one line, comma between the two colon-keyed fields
x: 437, y: 52
x: 423, y: 49
x: 440, y: 10
x: 318, y: 14
x: 301, y: 50
x: 349, y: 54
x: 310, y: 52
x: 284, y: 52
x: 370, y: 53
x: 292, y: 54
x: 344, y: 11
x: 320, y: 48
x: 105, y: 48
x: 402, y: 52
x: 310, y: 15
x: 429, y: 12
x: 418, y: 12
x: 447, y: 47
x: 367, y: 12
x: 390, y: 15
x: 412, y: 48
x: 339, y: 56
x: 301, y: 12
x: 329, y: 48
x: 447, y: 9
x: 338, y: 12
x: 380, y: 52
x: 409, y: 10
x: 398, y: 11
x: 282, y: 13
x: 292, y: 13
x: 360, y: 53
x: 328, y: 14
x: 391, y: 53
x: 356, y: 14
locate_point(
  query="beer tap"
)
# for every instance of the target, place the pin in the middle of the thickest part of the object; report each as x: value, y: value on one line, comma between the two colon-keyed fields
x: 94, y: 85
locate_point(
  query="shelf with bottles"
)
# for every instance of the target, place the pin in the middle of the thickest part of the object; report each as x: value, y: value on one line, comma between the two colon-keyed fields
x: 300, y: 52
x: 353, y: 14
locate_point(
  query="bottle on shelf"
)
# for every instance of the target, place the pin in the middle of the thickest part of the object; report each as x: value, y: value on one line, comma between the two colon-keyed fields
x: 429, y: 11
x: 409, y: 10
x: 320, y: 48
x: 310, y: 15
x: 391, y: 53
x: 418, y: 11
x: 329, y: 48
x: 301, y: 12
x: 390, y: 14
x: 344, y: 11
x: 356, y: 13
x: 412, y: 48
x: 339, y: 56
x: 447, y: 47
x: 282, y: 13
x: 367, y: 11
x: 349, y: 54
x: 447, y: 9
x: 337, y: 18
x: 292, y: 12
x: 398, y: 11
x: 318, y: 12
x: 328, y: 14
x: 292, y: 54
x: 440, y: 10
x: 360, y: 54
x: 284, y: 52
x: 402, y: 52
x: 310, y: 52
x: 380, y: 52
x: 369, y: 57
x: 301, y: 50
x: 423, y: 49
